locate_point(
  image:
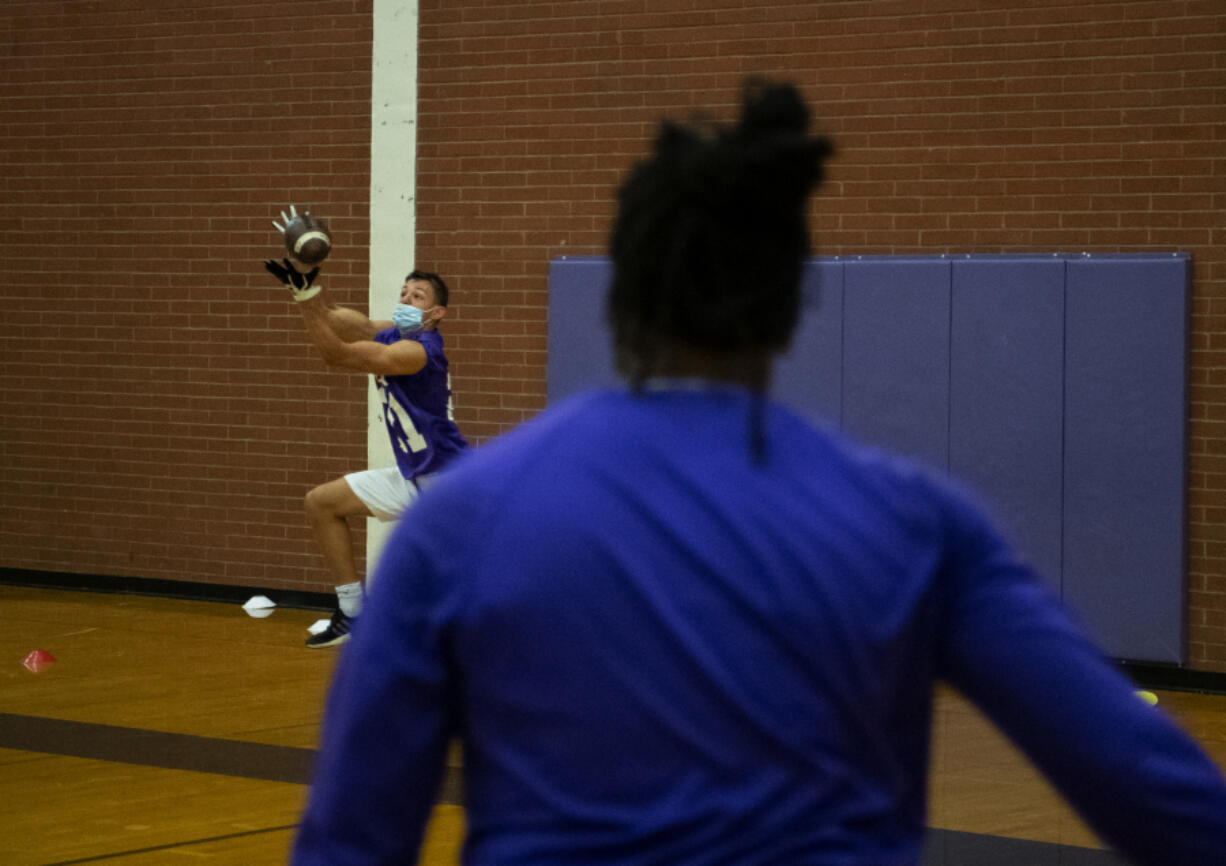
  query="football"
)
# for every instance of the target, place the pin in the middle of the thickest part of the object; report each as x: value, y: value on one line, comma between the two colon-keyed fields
x: 307, y: 239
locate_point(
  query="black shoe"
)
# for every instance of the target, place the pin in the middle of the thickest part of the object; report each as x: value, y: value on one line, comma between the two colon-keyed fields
x: 337, y: 631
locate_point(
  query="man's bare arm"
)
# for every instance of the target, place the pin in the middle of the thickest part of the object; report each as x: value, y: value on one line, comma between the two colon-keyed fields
x: 401, y: 358
x: 351, y: 325
x: 344, y: 336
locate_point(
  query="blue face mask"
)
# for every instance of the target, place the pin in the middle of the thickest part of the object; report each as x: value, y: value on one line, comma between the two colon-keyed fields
x: 407, y: 318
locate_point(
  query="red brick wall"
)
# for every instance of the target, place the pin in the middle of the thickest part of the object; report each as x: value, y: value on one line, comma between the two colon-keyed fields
x: 163, y: 414
x: 965, y: 126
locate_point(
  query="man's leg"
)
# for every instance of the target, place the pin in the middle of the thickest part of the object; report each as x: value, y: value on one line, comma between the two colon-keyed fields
x: 329, y: 507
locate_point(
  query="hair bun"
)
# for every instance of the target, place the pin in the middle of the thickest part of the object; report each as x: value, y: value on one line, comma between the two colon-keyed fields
x: 774, y: 135
x: 714, y: 219
x: 768, y: 108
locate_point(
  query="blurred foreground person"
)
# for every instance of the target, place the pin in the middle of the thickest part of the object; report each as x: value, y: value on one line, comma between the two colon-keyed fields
x: 674, y: 623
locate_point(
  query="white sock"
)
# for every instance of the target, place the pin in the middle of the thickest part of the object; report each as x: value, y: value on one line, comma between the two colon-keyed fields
x: 350, y: 598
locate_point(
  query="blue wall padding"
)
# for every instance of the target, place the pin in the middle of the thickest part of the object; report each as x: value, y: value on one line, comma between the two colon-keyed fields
x: 580, y: 355
x: 1124, y: 455
x: 896, y: 355
x: 1053, y: 386
x: 1006, y: 395
x: 810, y: 376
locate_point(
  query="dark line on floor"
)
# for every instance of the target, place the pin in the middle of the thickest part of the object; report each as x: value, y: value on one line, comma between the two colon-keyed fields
x: 135, y: 851
x: 157, y: 749
x: 293, y: 765
x: 175, y: 751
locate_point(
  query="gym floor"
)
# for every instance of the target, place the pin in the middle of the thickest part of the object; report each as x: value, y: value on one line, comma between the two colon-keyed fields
x: 167, y: 728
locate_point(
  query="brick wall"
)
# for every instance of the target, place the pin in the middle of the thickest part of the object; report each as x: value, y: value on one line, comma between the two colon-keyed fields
x: 163, y: 413
x: 1012, y: 125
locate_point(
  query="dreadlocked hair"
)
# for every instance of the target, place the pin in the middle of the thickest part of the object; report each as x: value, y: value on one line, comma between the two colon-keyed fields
x: 713, y: 220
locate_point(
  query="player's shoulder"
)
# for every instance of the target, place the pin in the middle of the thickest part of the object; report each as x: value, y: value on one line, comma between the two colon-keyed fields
x: 475, y: 486
x: 432, y: 342
x: 573, y: 423
x: 430, y: 339
x: 902, y: 485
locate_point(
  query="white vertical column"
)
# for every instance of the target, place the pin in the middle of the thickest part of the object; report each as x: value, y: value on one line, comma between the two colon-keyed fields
x: 393, y: 191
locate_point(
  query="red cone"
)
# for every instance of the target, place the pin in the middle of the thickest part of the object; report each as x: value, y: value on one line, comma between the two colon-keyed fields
x: 38, y: 660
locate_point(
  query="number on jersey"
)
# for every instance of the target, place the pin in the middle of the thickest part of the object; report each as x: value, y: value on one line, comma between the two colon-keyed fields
x: 405, y: 435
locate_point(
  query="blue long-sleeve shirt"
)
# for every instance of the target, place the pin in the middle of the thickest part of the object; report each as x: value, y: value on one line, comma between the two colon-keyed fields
x: 658, y: 650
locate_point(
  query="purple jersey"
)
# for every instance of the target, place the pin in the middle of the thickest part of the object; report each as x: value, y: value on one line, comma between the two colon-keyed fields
x: 417, y: 409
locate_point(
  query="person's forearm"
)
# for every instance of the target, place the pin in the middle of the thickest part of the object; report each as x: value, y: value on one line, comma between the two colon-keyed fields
x: 402, y: 358
x: 351, y: 325
x: 318, y: 318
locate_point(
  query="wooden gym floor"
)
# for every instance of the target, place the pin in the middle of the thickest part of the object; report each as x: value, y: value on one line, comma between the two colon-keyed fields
x: 173, y: 731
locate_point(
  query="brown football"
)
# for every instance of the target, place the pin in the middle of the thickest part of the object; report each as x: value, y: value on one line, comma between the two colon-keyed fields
x: 307, y: 239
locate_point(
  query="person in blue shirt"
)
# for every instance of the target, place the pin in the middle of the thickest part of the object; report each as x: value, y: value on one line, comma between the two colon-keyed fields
x: 406, y: 357
x: 675, y: 623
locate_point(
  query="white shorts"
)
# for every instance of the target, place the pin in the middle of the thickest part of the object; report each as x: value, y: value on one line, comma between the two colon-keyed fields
x: 385, y: 492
